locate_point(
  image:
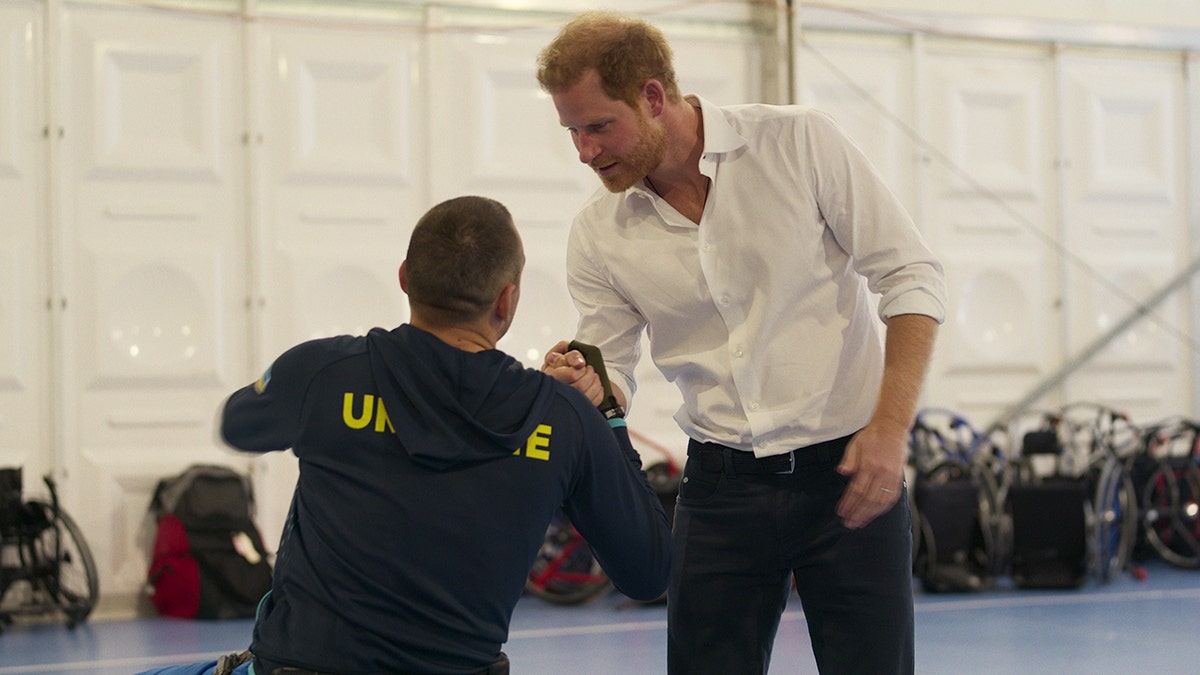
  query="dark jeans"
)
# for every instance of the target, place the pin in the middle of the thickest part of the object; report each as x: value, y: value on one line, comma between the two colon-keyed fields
x: 740, y: 538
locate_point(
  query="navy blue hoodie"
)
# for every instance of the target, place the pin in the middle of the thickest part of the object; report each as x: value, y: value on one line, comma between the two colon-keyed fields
x: 428, y: 477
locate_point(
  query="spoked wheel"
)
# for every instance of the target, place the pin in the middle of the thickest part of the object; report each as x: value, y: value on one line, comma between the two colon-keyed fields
x: 1116, y: 521
x: 565, y: 571
x: 76, y: 586
x: 1171, y: 508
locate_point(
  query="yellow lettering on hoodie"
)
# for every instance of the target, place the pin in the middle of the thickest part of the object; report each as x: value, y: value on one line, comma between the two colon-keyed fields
x: 348, y: 411
x: 372, y: 408
x: 382, y: 422
x: 536, y: 447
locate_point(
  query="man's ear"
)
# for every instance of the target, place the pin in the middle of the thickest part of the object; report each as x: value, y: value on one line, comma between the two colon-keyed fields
x: 506, y: 303
x: 404, y: 276
x: 655, y: 96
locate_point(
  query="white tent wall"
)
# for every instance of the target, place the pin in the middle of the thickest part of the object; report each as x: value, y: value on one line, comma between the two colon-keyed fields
x: 1100, y: 16
x: 191, y: 187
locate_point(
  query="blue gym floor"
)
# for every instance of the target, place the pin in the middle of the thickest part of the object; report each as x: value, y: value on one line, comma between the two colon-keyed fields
x: 1125, y: 626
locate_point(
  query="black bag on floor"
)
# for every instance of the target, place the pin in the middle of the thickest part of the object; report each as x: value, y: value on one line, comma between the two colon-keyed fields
x: 209, y: 561
x: 1049, y: 533
x: 952, y: 555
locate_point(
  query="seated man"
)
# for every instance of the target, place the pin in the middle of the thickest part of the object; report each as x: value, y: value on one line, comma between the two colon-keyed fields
x: 431, y: 465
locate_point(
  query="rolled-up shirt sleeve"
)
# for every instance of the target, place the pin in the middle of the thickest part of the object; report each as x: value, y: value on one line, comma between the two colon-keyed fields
x: 870, y: 222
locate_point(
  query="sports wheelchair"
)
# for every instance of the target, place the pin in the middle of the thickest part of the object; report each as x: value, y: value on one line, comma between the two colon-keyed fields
x: 1168, y: 477
x: 565, y: 571
x: 45, y: 564
x: 955, y: 477
x: 1071, y: 496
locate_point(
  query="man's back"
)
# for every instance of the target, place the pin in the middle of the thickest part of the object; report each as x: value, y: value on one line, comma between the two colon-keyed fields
x: 427, y: 478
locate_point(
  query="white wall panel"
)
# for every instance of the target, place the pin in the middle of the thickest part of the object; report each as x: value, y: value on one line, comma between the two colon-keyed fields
x: 990, y: 207
x: 339, y: 152
x: 155, y: 110
x: 723, y: 67
x: 1124, y: 218
x: 24, y: 321
x: 493, y: 131
x: 351, y: 110
x: 153, y: 321
x: 340, y: 178
x: 154, y: 262
x: 866, y: 83
x: 987, y: 115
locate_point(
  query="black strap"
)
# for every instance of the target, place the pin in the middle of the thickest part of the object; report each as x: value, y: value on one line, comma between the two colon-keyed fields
x: 591, y: 354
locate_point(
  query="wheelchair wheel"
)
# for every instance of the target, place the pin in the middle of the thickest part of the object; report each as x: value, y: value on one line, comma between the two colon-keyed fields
x: 1171, y: 509
x: 1116, y: 521
x: 565, y: 571
x: 74, y: 586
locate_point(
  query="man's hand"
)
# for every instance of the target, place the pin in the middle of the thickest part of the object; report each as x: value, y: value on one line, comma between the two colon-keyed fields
x: 876, y: 455
x: 875, y: 463
x: 570, y: 367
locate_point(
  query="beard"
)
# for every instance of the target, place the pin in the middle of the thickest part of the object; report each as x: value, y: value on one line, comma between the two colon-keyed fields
x: 646, y: 155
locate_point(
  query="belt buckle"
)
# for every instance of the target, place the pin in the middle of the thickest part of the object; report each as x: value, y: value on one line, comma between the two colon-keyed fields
x: 791, y: 465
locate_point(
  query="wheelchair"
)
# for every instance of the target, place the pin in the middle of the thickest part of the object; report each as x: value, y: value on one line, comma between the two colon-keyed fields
x: 1074, y: 466
x: 46, y: 567
x: 1169, y: 478
x: 959, y: 527
x: 565, y: 572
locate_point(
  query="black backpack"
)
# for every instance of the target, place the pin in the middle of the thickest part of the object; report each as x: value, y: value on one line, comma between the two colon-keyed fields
x: 208, y: 561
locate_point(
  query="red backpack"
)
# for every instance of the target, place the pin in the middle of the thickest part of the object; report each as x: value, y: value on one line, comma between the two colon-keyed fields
x: 208, y: 560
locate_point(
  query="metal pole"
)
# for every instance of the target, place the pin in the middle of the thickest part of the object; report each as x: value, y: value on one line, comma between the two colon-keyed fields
x: 790, y: 47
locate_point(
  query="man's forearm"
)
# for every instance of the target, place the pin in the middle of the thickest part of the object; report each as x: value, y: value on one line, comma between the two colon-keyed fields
x: 908, y: 350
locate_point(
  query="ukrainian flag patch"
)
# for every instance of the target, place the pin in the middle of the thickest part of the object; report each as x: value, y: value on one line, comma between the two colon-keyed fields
x: 260, y: 384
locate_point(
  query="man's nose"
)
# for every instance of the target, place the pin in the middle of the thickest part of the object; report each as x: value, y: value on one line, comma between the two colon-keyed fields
x: 587, y: 147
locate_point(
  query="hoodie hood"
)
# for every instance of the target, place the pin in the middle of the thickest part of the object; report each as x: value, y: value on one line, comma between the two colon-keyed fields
x: 452, y: 407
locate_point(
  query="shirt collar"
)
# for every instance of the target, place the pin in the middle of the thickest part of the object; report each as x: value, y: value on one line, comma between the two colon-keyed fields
x: 719, y: 138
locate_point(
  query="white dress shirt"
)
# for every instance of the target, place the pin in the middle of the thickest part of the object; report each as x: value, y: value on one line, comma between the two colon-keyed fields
x: 768, y: 315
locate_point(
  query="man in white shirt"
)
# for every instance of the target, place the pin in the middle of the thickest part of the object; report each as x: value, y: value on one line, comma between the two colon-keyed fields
x: 791, y: 298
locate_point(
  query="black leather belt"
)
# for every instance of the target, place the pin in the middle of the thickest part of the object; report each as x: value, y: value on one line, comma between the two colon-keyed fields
x: 500, y: 667
x: 717, y: 458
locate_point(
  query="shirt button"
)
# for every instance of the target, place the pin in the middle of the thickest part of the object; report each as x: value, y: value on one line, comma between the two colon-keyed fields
x: 754, y: 405
x: 724, y: 299
x: 739, y: 353
x: 707, y: 248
